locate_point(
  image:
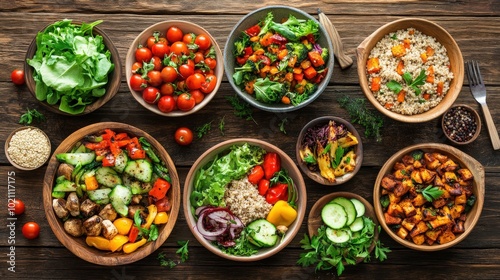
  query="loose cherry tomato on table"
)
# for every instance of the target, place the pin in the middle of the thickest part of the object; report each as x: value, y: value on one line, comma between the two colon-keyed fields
x: 17, y: 76
x: 31, y: 230
x: 151, y: 95
x: 143, y: 54
x: 137, y: 82
x: 203, y: 41
x: 185, y: 102
x: 183, y: 136
x: 18, y: 206
x: 166, y: 103
x: 174, y: 34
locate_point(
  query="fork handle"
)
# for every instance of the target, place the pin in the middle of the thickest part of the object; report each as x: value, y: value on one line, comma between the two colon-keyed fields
x: 495, y: 141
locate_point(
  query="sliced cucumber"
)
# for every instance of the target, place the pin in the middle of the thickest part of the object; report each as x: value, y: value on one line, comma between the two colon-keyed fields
x: 120, y: 162
x: 120, y: 198
x: 76, y: 158
x: 357, y: 225
x: 56, y: 194
x: 108, y: 177
x: 360, y: 207
x: 262, y: 233
x: 140, y: 169
x: 100, y: 196
x: 338, y: 236
x: 348, y: 207
x: 64, y: 186
x: 334, y: 215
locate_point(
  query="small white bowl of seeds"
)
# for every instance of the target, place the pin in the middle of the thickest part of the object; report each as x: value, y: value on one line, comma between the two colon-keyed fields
x: 27, y: 148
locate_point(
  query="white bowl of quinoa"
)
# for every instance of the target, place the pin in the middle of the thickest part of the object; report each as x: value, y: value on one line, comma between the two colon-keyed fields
x: 410, y: 69
x: 27, y: 148
x: 223, y: 201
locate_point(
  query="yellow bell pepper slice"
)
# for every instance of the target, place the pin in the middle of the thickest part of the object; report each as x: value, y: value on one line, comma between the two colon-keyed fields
x: 282, y: 214
x: 153, y: 210
x: 98, y: 242
x: 117, y: 242
x: 123, y: 225
x: 132, y: 247
x: 161, y: 218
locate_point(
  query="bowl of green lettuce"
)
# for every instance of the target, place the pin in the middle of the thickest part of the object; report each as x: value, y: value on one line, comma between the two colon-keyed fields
x: 72, y: 68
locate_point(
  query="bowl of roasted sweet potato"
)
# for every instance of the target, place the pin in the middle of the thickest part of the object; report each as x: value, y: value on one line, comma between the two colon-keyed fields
x: 429, y: 196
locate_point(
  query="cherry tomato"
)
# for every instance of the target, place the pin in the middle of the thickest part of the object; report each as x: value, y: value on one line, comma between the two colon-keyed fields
x: 185, y: 102
x: 18, y: 206
x: 151, y: 95
x: 179, y: 48
x: 155, y: 39
x: 137, y: 82
x: 197, y: 95
x: 188, y: 38
x: 166, y: 103
x: 195, y: 81
x: 160, y: 49
x: 167, y: 89
x: 181, y: 85
x: 210, y: 62
x: 168, y: 74
x: 137, y: 68
x: 183, y: 136
x: 31, y: 230
x: 263, y: 186
x: 198, y: 57
x: 256, y: 174
x: 203, y: 41
x: 185, y: 71
x: 157, y: 65
x: 143, y: 54
x: 17, y: 77
x: 154, y: 78
x: 174, y: 34
x: 209, y: 85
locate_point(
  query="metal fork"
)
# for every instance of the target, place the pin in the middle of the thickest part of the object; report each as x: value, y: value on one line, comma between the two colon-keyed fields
x: 478, y: 90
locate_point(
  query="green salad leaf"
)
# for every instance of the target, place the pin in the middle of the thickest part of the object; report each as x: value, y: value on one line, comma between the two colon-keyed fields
x: 268, y: 91
x: 71, y: 65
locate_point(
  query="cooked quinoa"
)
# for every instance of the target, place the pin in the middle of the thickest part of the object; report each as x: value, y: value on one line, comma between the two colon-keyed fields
x: 413, y: 51
x: 29, y: 148
x: 244, y: 200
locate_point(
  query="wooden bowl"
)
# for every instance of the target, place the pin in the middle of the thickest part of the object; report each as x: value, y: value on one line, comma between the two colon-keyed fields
x: 475, y: 117
x: 465, y: 161
x: 46, y: 149
x: 77, y: 245
x: 162, y: 27
x: 314, y: 220
x: 428, y: 28
x: 114, y: 78
x: 286, y: 163
x: 253, y: 18
x: 315, y: 175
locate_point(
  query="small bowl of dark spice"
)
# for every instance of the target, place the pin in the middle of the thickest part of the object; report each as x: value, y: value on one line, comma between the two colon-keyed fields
x: 461, y: 124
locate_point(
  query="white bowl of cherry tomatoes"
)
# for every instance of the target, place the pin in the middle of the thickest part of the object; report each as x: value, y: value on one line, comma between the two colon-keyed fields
x: 174, y: 68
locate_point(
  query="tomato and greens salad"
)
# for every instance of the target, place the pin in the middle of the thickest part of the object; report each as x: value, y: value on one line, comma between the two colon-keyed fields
x: 267, y: 205
x: 112, y: 188
x: 174, y: 70
x: 280, y: 63
x: 71, y: 65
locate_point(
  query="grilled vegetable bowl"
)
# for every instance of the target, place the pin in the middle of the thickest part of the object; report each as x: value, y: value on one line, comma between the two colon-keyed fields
x: 111, y: 193
x: 244, y: 199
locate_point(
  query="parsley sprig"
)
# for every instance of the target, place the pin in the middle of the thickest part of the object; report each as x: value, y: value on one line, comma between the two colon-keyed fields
x: 431, y: 193
x: 31, y: 116
x: 182, y: 252
x: 241, y: 108
x: 413, y: 84
x: 358, y: 112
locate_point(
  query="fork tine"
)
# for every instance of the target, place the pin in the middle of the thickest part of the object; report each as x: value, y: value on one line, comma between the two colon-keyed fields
x: 470, y: 75
x: 478, y: 73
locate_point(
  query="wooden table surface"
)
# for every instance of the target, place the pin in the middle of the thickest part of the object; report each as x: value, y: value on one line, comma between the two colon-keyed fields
x: 475, y: 25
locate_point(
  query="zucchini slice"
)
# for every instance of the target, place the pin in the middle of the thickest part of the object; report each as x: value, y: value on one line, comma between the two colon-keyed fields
x: 140, y: 169
x: 107, y: 177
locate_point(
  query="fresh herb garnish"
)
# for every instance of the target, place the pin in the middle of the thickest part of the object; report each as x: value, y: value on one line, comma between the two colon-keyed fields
x: 431, y: 193
x: 31, y: 116
x: 413, y: 84
x: 164, y: 261
x: 358, y: 112
x: 203, y: 129
x: 241, y: 108
x: 222, y: 123
x: 151, y: 233
x: 339, y: 153
x: 309, y: 159
x: 183, y: 252
x: 243, y: 246
x: 282, y: 125
x: 394, y: 36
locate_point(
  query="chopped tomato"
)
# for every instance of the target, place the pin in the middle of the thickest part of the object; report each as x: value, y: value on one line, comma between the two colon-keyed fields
x: 310, y: 73
x: 256, y: 174
x: 135, y: 150
x: 160, y: 188
x: 253, y: 31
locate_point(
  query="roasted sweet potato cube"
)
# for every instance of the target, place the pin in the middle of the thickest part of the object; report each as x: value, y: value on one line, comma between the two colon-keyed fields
x: 441, y: 157
x: 427, y: 176
x: 373, y: 65
x: 390, y: 220
x: 408, y: 160
x: 400, y: 174
x: 433, y: 234
x: 393, y: 198
x: 395, y: 210
x: 449, y: 165
x: 418, y: 239
x: 399, y: 165
x: 446, y: 237
x: 415, y: 176
x: 441, y: 221
x: 417, y: 217
x: 438, y: 203
x: 453, y: 189
x: 419, y: 228
x: 461, y: 199
x: 402, y: 188
x: 465, y: 174
x: 419, y: 200
x: 433, y: 164
x: 438, y: 181
x: 458, y: 227
x: 450, y: 177
x: 402, y: 232
x: 457, y: 210
x: 388, y: 183
x: 429, y: 241
x: 417, y: 164
x: 407, y: 225
x: 429, y: 214
x: 408, y: 208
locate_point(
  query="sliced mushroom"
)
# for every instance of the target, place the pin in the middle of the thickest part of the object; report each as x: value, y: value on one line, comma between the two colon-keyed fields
x: 108, y: 213
x: 108, y: 229
x: 133, y: 208
x: 88, y: 208
x: 65, y: 170
x: 92, y: 226
x: 74, y: 227
x: 59, y: 205
x: 73, y: 204
x: 136, y: 199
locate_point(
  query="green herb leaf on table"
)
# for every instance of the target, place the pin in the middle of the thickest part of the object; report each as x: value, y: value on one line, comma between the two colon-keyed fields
x: 282, y: 125
x: 358, y: 112
x: 31, y: 116
x: 241, y: 108
x: 203, y: 129
x: 183, y: 251
x: 222, y: 123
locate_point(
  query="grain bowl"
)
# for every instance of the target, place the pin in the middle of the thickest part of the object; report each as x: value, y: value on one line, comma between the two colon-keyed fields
x: 155, y: 92
x: 27, y: 148
x: 410, y: 69
x: 269, y: 83
x: 69, y: 78
x: 235, y: 206
x: 429, y: 196
x: 342, y: 143
x: 95, y: 204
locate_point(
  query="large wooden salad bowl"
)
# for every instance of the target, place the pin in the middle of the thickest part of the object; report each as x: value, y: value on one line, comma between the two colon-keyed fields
x: 77, y: 245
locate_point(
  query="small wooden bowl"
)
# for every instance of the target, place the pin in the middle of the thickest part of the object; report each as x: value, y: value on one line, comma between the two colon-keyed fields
x: 314, y: 220
x: 286, y: 163
x: 77, y: 245
x: 475, y: 116
x: 18, y: 165
x: 162, y: 27
x: 315, y: 175
x: 464, y: 160
x: 114, y: 78
x: 431, y: 29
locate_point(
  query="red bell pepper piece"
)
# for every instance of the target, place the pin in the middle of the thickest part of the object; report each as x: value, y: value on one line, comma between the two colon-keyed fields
x: 277, y: 192
x: 248, y: 51
x: 135, y: 150
x: 263, y: 187
x: 256, y: 174
x: 96, y: 146
x: 133, y: 234
x: 160, y: 189
x: 272, y: 164
x: 253, y: 30
x: 108, y: 160
x: 163, y: 205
